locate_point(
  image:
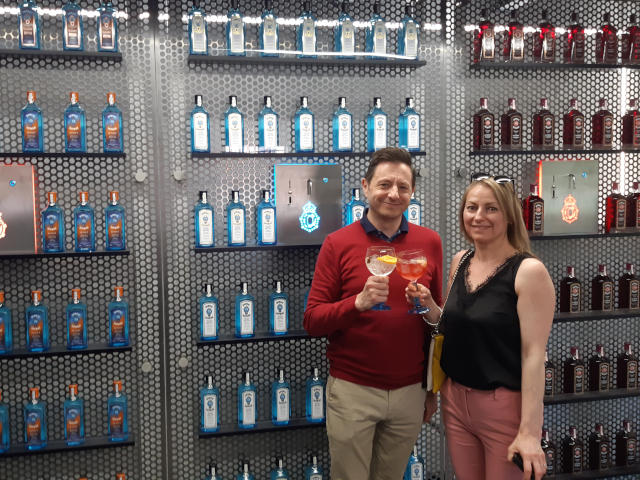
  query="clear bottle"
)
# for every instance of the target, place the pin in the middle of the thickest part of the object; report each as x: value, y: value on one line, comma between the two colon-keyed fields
x: 415, y: 466
x: 514, y: 42
x: 413, y: 213
x: 633, y: 206
x: 52, y: 226
x: 245, y: 320
x: 376, y: 127
x: 208, y: 307
x: 607, y: 42
x: 76, y: 315
x: 626, y: 445
x: 602, y: 127
x: 114, y: 220
x: 268, y: 127
x: 631, y: 42
x: 342, y: 123
x: 279, y: 473
x: 200, y: 128
x: 599, y: 449
x: 6, y: 327
x: 233, y: 127
x: 269, y: 31
x: 602, y: 290
x: 112, y: 139
x: 631, y: 126
x: 278, y: 311
x: 629, y: 289
x: 315, y: 403
x: 280, y: 400
x: 117, y: 414
x: 409, y: 127
x: 35, y: 421
x: 355, y: 208
x: 573, y: 127
x: 37, y: 324
x: 203, y: 220
x: 84, y: 225
x: 247, y: 404
x: 409, y: 37
x: 511, y: 127
x: 118, y: 311
x: 198, y: 38
x: 533, y: 211
x: 5, y: 430
x: 74, y: 417
x: 616, y: 210
x: 484, y: 40
x: 627, y: 369
x: 574, y: 374
x: 544, y: 45
x: 304, y: 125
x: 550, y: 376
x: 209, y: 408
x: 72, y: 28
x: 266, y: 220
x: 306, y: 32
x: 544, y: 127
x: 245, y: 475
x: 236, y: 221
x: 32, y: 125
x: 235, y: 31
x: 574, y: 41
x: 572, y: 452
x: 599, y: 371
x: 344, y: 35
x: 107, y: 28
x: 376, y: 38
x: 313, y: 471
x: 484, y: 129
x: 550, y: 452
x: 29, y: 26
x: 75, y: 129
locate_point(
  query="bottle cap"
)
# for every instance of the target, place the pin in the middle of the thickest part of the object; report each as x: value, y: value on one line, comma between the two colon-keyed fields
x: 198, y: 100
x: 615, y: 186
x: 342, y: 101
x: 73, y: 97
x: 34, y: 393
x: 244, y: 286
x: 268, y: 5
x: 376, y: 8
x: 83, y: 196
x: 574, y: 17
x: 1, y: 296
x: 203, y: 195
x: 75, y: 293
x: 118, y: 291
x: 633, y: 18
x: 208, y: 288
x: 209, y: 380
x: 304, y: 101
x: 266, y: 195
x: 409, y: 9
x: 574, y: 352
x: 31, y: 96
x: 484, y: 102
x: 573, y: 431
x: 111, y: 98
x: 267, y: 100
x: 629, y: 267
x: 52, y: 197
x: 574, y: 103
x: 544, y: 102
x: 247, y: 378
x: 235, y: 196
x: 117, y: 385
x: 602, y: 268
x: 533, y: 188
x: 599, y: 429
x: 278, y: 286
x: 73, y: 389
x: 603, y: 103
x: 233, y: 100
x: 377, y: 100
x: 627, y: 347
x: 484, y: 13
x: 606, y: 17
x: 600, y: 350
x: 635, y: 185
x: 114, y: 196
x: 120, y: 476
x: 545, y: 434
x: 626, y: 425
x: 514, y: 14
x: 408, y: 101
x: 36, y: 295
x: 545, y: 14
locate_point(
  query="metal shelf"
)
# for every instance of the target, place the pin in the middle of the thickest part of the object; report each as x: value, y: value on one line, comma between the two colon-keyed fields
x: 563, y: 317
x: 291, y: 60
x: 62, y: 350
x: 589, y: 474
x: 500, y: 65
x: 258, y: 337
x: 61, y: 155
x: 254, y: 248
x: 561, y: 151
x: 56, y: 446
x: 261, y: 427
x: 99, y: 253
x: 563, y: 398
x: 629, y: 233
x: 61, y: 54
x: 290, y: 154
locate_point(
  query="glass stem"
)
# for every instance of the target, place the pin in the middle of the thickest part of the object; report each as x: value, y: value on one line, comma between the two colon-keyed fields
x: 416, y: 300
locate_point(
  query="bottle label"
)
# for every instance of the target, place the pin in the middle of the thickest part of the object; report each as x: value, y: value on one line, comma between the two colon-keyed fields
x: 538, y: 217
x: 35, y: 330
x: 28, y: 28
x: 575, y: 299
x: 198, y: 34
x: 631, y: 451
x: 551, y: 459
x: 547, y: 130
x: 51, y: 223
x: 578, y: 131
x: 236, y: 35
x: 74, y: 131
x: 417, y: 471
x: 115, y: 222
x: 413, y: 131
x: 117, y: 319
x: 116, y: 420
x: 306, y: 131
x: 112, y: 131
x: 235, y: 132
x: 270, y: 131
x: 621, y: 213
x: 488, y: 44
x: 210, y: 410
x: 31, y: 131
x: 76, y: 328
x: 413, y: 214
x: 209, y: 319
x: 269, y: 38
x: 578, y: 379
x: 205, y: 227
x: 632, y: 374
x: 268, y: 219
x: 607, y: 296
x: 379, y: 38
x: 634, y: 294
x: 280, y: 315
x: 248, y: 408
x: 577, y: 45
x: 237, y: 225
x: 577, y: 459
x: 516, y: 131
x: 315, y: 477
x: 282, y: 404
x: 84, y: 226
x: 200, y: 131
x: 487, y: 130
x: 607, y: 131
x: 517, y: 44
x: 308, y: 36
x: 317, y: 402
x: 357, y: 212
x: 604, y: 455
x: 411, y: 40
x: 604, y: 369
x: 636, y: 131
x: 107, y: 32
x: 73, y: 423
x: 246, y: 317
x: 380, y: 132
x: 33, y: 428
x: 72, y: 30
x: 549, y: 381
x: 347, y: 40
x: 344, y: 131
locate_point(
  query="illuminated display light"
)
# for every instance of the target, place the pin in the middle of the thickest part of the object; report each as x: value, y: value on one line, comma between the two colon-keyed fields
x: 570, y: 210
x: 309, y: 219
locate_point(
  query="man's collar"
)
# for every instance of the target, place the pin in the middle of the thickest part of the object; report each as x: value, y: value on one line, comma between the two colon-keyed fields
x: 370, y: 228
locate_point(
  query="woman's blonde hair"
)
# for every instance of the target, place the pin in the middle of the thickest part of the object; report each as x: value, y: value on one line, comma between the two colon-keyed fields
x: 510, y: 205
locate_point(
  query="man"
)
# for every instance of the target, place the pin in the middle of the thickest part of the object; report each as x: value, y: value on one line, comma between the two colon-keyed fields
x: 375, y: 399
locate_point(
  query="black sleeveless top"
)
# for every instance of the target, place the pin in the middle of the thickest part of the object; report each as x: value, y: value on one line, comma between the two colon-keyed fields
x: 482, y: 330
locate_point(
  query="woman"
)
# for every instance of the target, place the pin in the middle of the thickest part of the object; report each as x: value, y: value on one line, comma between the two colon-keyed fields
x: 496, y: 321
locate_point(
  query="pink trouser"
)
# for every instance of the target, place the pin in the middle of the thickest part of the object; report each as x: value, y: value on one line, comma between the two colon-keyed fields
x: 480, y: 425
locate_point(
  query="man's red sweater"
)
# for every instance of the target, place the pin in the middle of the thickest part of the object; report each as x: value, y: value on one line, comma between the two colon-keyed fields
x: 381, y: 349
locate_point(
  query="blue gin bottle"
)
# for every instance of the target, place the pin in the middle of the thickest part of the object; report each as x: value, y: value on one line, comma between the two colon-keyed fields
x: 355, y: 208
x: 236, y: 221
x: 247, y: 404
x: 72, y: 28
x: 32, y: 125
x: 203, y: 218
x: 313, y: 471
x: 208, y: 308
x: 37, y: 324
x: 198, y: 39
x: 280, y: 400
x: 413, y: 213
x: 75, y: 126
x: 269, y: 31
x: 409, y: 127
x: 245, y: 313
x: 74, y: 417
x: 245, y: 475
x: 114, y: 220
x: 5, y: 428
x: 76, y: 315
x: 6, y: 324
x: 415, y: 467
x: 376, y: 127
x: 344, y: 36
x: 235, y: 31
x: 304, y: 126
x: 342, y: 123
x: 278, y: 311
x: 233, y: 127
x: 376, y: 40
x: 52, y: 226
x: 268, y: 127
x: 409, y: 37
x: 200, y: 128
x: 107, y: 28
x: 84, y: 225
x: 306, y: 33
x: 112, y: 139
x: 212, y: 473
x: 35, y: 421
x: 118, y: 310
x: 118, y: 430
x: 315, y: 405
x: 266, y: 220
x: 29, y: 26
x: 209, y: 408
x: 279, y: 473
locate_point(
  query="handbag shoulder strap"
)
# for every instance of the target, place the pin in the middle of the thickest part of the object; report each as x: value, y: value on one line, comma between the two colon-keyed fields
x: 453, y: 279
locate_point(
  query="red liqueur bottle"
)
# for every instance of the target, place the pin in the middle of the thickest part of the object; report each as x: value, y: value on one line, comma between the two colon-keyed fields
x: 549, y: 376
x: 544, y: 45
x: 483, y: 127
x: 627, y: 374
x: 607, y: 42
x: 570, y: 292
x: 513, y: 47
x: 544, y: 125
x: 626, y: 445
x: 572, y: 452
x: 631, y: 42
x: 511, y: 127
x: 631, y: 126
x: 574, y: 41
x: 573, y: 378
x: 602, y: 293
x: 633, y: 206
x: 484, y: 40
x: 602, y: 127
x: 629, y: 289
x: 573, y: 127
x: 599, y: 449
x: 616, y: 210
x: 599, y: 371
x: 533, y: 210
x: 550, y: 452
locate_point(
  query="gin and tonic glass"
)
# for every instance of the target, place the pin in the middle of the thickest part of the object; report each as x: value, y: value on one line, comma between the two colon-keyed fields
x: 380, y: 261
x: 411, y: 266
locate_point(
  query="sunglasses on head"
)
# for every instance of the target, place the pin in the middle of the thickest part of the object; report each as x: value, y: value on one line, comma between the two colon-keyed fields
x: 501, y: 179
